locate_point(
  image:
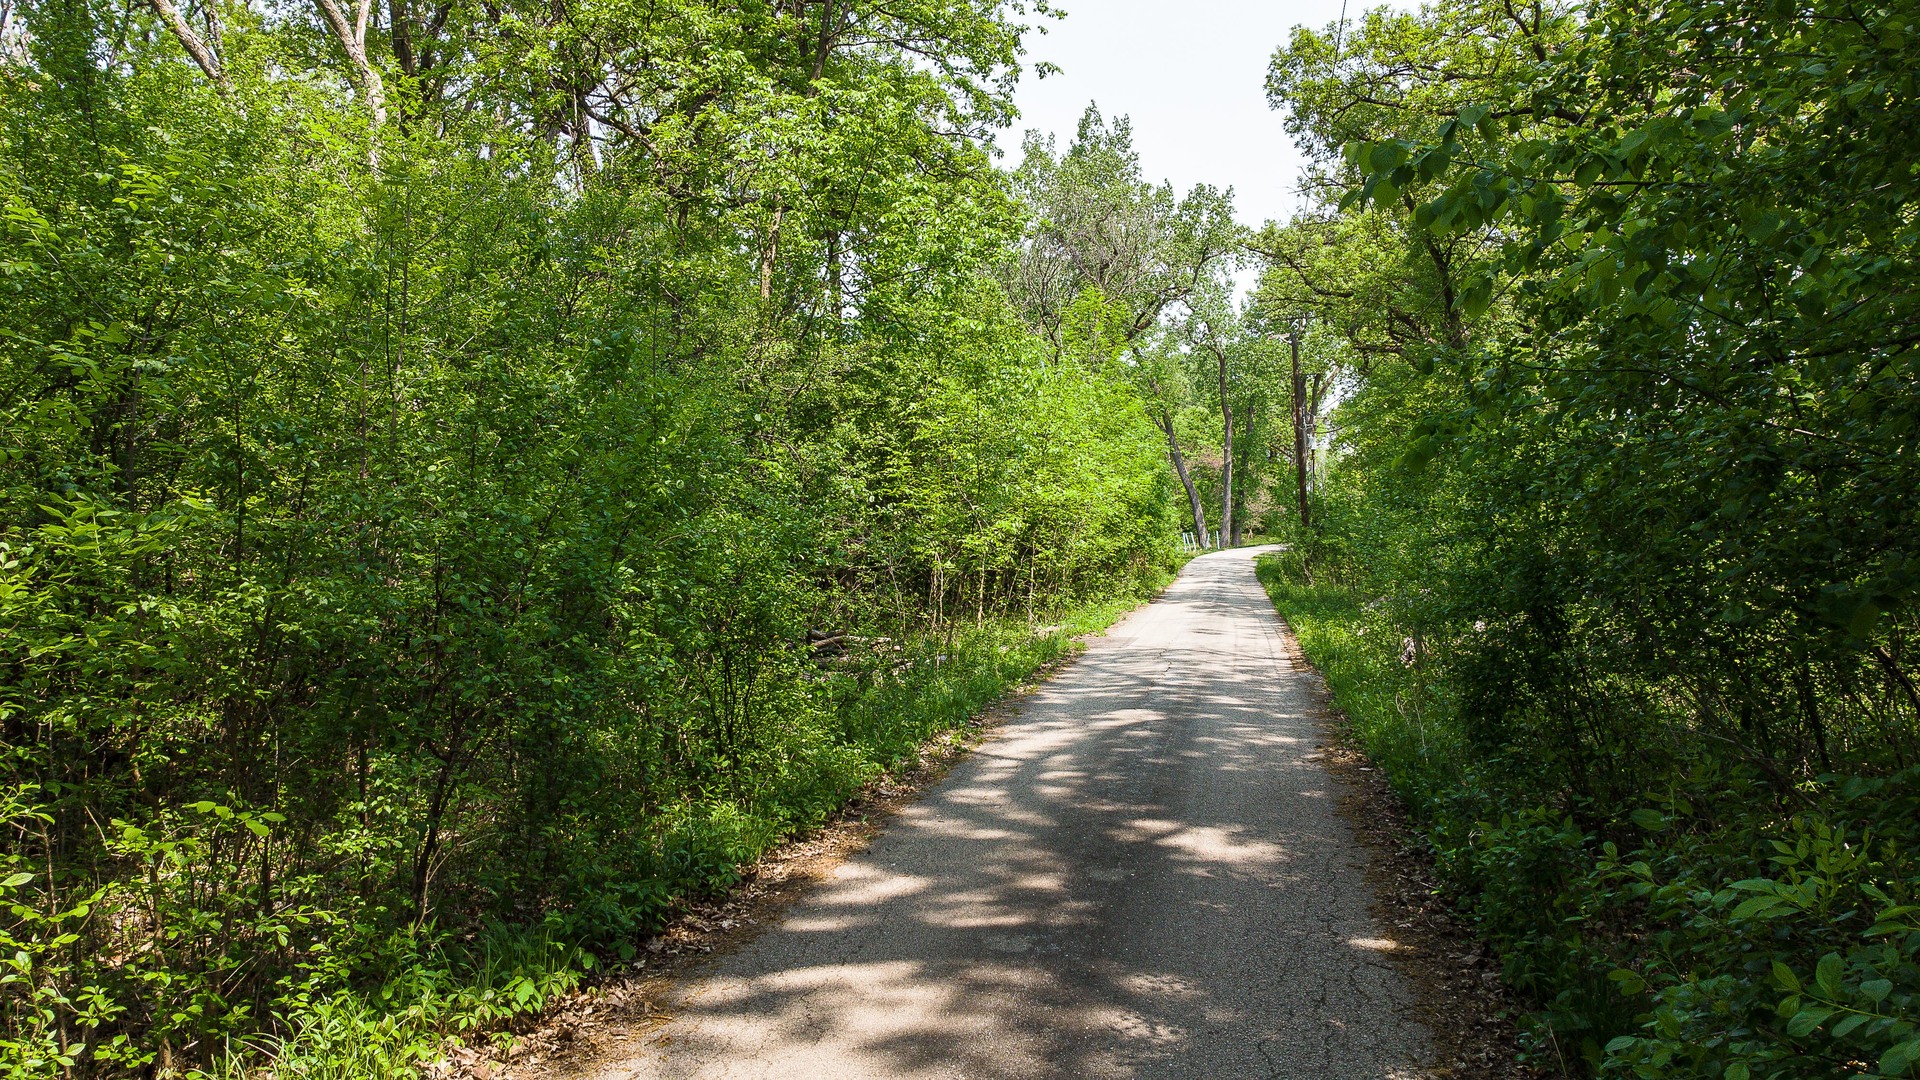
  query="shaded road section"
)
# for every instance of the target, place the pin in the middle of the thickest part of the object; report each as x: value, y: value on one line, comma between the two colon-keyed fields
x: 1143, y: 874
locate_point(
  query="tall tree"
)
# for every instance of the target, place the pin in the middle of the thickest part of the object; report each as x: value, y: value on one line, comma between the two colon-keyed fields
x: 1626, y: 464
x: 1107, y: 245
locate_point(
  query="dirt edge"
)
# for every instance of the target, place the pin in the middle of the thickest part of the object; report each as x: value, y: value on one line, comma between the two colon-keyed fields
x: 1458, y: 994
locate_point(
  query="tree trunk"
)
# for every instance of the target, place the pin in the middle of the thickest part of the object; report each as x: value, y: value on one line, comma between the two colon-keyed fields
x: 353, y: 41
x: 1240, y: 483
x: 580, y: 129
x: 400, y: 22
x: 1186, y: 481
x: 195, y: 47
x: 1300, y: 432
x: 1226, y: 453
x: 836, y: 303
x: 770, y: 252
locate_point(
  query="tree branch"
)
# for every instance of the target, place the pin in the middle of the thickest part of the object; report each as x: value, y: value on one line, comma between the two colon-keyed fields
x: 195, y: 47
x: 353, y: 41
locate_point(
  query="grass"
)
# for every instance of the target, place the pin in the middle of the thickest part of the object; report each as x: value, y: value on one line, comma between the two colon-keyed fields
x: 1397, y: 719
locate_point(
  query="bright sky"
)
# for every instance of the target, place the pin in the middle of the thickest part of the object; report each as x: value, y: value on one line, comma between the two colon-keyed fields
x: 1192, y: 75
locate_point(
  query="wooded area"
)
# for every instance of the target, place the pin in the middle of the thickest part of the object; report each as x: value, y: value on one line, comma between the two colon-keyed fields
x: 474, y: 476
x: 1614, y: 563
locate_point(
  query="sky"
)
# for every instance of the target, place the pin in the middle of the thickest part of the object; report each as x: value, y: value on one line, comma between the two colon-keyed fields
x: 1191, y: 75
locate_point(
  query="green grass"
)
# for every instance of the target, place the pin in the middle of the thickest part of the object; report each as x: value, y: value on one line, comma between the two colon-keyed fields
x: 1396, y: 718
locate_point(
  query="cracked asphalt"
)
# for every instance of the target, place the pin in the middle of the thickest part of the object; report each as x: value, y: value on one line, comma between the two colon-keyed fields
x: 1142, y: 874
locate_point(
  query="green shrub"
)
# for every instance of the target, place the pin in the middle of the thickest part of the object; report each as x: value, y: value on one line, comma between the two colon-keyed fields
x: 1719, y: 928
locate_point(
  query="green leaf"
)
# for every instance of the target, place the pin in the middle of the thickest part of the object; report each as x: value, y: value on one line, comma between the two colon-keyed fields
x: 1784, y: 977
x: 1650, y: 820
x: 1865, y: 617
x: 1763, y: 906
x: 1385, y: 156
x: 1476, y: 298
x: 1419, y: 453
x: 14, y: 881
x: 1807, y: 1019
x: 1847, y: 1025
x: 1899, y: 1060
x: 1829, y: 973
x: 1876, y: 990
x: 1630, y: 981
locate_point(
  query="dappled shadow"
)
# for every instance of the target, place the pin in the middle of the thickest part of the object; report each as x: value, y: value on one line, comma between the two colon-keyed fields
x: 1143, y: 875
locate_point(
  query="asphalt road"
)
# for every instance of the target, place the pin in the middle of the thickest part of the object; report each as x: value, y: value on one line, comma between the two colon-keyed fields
x: 1142, y: 874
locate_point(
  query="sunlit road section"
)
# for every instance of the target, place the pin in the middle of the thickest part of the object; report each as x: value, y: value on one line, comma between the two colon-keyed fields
x: 1142, y: 874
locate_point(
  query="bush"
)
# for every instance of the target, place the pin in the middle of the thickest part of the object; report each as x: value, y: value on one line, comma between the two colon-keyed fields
x: 1710, y: 926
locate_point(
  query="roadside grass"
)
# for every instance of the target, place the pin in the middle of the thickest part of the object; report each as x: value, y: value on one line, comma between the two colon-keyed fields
x: 1513, y: 874
x: 1396, y: 719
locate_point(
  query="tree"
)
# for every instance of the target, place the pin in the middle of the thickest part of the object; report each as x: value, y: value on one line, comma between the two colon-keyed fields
x: 1624, y: 462
x: 1108, y: 255
x: 1211, y: 331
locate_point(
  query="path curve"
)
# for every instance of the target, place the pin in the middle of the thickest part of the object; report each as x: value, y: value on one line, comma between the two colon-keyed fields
x: 1142, y: 874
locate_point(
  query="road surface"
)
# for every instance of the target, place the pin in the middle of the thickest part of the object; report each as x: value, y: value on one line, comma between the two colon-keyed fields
x: 1143, y: 874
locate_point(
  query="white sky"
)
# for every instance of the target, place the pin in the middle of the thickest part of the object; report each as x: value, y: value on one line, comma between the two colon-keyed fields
x: 1192, y: 76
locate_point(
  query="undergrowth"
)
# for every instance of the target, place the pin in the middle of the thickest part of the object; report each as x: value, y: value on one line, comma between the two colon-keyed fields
x: 886, y: 700
x: 1716, y: 924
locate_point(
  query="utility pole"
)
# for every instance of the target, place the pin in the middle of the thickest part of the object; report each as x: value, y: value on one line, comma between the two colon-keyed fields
x: 1299, y: 429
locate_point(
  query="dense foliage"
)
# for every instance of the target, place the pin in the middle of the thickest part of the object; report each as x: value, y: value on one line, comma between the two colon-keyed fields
x: 1615, y: 565
x: 471, y: 475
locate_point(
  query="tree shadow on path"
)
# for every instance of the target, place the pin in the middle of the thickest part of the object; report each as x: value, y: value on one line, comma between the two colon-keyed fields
x: 1144, y: 874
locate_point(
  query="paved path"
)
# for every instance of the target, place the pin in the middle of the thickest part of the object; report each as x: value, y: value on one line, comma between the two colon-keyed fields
x: 1142, y: 874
